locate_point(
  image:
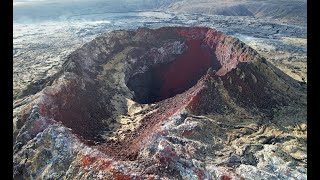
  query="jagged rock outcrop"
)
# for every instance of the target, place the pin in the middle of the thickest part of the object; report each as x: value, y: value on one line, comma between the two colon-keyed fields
x: 168, y: 103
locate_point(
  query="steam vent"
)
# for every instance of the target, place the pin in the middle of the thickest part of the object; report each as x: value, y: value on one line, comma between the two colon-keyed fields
x: 168, y: 103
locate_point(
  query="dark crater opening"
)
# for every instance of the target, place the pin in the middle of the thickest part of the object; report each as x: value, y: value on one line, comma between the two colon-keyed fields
x: 167, y: 80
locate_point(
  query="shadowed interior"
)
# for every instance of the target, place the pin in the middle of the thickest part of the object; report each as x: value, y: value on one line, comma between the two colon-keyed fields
x: 166, y: 80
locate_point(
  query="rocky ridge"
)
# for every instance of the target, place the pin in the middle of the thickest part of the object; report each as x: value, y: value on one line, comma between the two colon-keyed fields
x: 169, y: 103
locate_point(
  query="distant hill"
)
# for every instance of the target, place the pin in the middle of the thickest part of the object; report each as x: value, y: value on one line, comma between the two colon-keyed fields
x: 291, y: 11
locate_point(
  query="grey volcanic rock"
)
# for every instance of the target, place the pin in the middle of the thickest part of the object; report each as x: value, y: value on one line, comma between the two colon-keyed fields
x: 167, y: 103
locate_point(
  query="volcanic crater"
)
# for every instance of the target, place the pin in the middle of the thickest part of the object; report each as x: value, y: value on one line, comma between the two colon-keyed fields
x: 116, y: 92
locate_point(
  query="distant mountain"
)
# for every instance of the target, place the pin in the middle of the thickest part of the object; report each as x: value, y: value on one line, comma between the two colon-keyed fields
x: 292, y: 11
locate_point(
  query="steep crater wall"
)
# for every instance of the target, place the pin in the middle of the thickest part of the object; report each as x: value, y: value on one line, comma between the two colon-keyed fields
x: 203, y: 49
x: 169, y: 79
